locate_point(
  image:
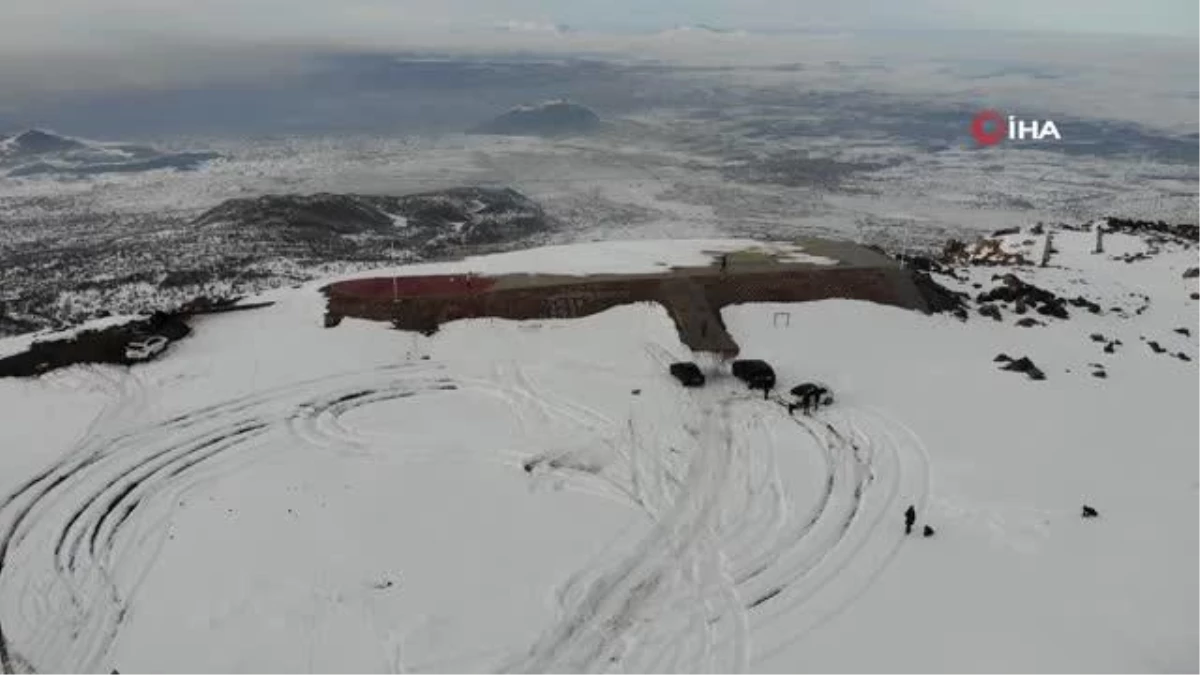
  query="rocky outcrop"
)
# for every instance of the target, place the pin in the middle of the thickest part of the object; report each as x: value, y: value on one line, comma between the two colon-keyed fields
x: 422, y: 224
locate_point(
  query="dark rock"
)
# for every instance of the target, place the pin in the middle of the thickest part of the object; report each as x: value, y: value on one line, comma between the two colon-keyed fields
x: 1002, y: 358
x: 1191, y: 273
x: 1158, y: 349
x: 938, y: 298
x: 1054, y: 309
x: 923, y: 263
x: 1025, y: 365
x: 990, y: 311
x: 1185, y: 232
x: 1089, y: 512
x: 1183, y: 331
x: 1025, y: 295
x: 1100, y: 374
x: 1182, y: 357
x: 927, y: 531
x: 1195, y: 296
x: 1038, y: 229
x: 1029, y: 322
x: 636, y: 392
x: 1004, y: 232
x: 1080, y: 301
x: 1110, y: 348
x: 1097, y: 337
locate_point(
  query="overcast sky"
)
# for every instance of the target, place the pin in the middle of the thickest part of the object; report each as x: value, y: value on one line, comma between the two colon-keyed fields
x: 34, y: 26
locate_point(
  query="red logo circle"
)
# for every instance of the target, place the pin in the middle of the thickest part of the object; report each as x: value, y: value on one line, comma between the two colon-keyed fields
x: 979, y: 127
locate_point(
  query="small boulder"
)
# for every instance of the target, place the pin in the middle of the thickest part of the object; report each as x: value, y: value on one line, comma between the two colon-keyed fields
x: 1191, y: 273
x: 1025, y: 365
x: 1182, y: 357
x: 1080, y: 301
x: 1097, y: 337
x: 1110, y: 348
x: 1089, y: 512
x: 1183, y: 331
x: 990, y: 311
x: 927, y: 531
x: 1157, y: 348
x: 1055, y: 309
x: 1002, y: 358
x: 1029, y: 322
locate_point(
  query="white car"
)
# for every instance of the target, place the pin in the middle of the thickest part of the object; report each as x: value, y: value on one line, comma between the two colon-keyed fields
x: 145, y: 349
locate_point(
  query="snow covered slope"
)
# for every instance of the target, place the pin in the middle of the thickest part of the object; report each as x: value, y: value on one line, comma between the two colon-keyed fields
x: 537, y: 496
x: 37, y: 153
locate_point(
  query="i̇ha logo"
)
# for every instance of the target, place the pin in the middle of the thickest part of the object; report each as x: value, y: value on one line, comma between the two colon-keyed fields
x: 989, y: 127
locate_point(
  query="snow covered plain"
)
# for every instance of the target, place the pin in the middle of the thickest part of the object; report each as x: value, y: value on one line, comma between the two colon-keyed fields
x: 530, y: 496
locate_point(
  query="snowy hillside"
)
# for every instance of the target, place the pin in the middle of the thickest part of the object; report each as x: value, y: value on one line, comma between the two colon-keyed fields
x: 542, y: 496
x: 246, y: 245
x: 36, y: 152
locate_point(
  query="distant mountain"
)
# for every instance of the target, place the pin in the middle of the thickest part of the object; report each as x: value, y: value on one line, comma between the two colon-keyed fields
x: 552, y: 118
x: 38, y: 152
x: 514, y: 26
x: 35, y: 143
x: 702, y: 30
x: 424, y: 224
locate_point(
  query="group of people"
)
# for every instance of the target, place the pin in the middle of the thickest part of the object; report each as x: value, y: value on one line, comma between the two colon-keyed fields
x: 910, y: 520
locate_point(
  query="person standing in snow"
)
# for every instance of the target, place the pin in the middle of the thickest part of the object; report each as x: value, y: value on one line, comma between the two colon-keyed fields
x: 910, y: 518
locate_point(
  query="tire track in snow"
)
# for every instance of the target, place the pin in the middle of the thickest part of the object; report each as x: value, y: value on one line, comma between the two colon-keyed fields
x: 77, y: 538
x: 826, y: 573
x: 615, y: 601
x: 730, y: 556
x: 787, y: 569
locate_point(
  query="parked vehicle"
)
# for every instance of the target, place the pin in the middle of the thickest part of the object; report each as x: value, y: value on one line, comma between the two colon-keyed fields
x: 688, y: 374
x: 755, y: 373
x: 148, y: 348
x: 815, y: 392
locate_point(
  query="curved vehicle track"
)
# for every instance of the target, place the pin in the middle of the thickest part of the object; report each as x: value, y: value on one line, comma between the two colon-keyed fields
x: 734, y: 566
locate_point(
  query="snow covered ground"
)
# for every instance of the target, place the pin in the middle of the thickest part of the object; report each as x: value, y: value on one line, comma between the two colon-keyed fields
x: 532, y: 496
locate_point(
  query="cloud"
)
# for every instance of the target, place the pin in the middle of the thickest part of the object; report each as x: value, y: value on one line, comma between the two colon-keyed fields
x: 45, y: 26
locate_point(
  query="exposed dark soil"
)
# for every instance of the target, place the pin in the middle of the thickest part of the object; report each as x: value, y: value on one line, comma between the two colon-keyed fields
x: 107, y: 345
